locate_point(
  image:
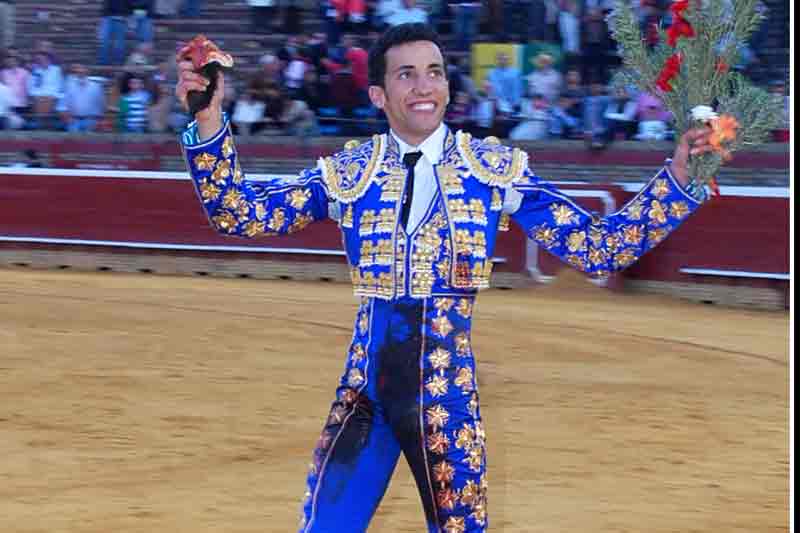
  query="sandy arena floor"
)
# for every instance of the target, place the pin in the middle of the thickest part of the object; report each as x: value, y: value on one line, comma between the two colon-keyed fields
x: 166, y: 404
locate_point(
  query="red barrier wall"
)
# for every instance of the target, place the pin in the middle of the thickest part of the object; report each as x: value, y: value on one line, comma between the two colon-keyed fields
x: 146, y: 155
x: 742, y: 232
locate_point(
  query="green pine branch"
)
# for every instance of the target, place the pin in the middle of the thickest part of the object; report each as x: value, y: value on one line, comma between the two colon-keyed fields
x: 722, y: 28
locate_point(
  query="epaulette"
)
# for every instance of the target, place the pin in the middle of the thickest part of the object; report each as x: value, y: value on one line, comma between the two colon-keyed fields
x: 490, y: 161
x: 348, y: 173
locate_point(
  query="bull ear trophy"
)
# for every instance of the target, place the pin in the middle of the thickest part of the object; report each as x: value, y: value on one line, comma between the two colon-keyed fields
x: 208, y: 60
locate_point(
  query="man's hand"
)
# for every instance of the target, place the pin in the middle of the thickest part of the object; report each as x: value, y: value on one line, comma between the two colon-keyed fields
x: 209, y: 120
x: 693, y: 142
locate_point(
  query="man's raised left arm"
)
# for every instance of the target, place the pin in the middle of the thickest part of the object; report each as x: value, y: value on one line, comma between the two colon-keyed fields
x: 599, y: 245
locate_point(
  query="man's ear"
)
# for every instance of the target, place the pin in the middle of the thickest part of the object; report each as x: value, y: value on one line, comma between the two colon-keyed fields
x: 377, y: 96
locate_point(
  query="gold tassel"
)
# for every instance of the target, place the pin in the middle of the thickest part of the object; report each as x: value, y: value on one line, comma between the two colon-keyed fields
x: 505, y: 222
x: 347, y: 220
x: 497, y: 202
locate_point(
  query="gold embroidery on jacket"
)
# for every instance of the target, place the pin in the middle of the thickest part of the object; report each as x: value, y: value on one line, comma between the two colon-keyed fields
x: 348, y: 174
x: 493, y: 164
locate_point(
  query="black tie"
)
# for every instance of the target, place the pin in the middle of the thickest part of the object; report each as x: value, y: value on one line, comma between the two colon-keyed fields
x: 410, y: 161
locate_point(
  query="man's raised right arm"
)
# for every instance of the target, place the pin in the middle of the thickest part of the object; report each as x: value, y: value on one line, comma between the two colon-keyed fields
x: 235, y: 205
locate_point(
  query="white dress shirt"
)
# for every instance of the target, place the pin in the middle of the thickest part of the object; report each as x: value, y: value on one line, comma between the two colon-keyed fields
x: 425, y: 185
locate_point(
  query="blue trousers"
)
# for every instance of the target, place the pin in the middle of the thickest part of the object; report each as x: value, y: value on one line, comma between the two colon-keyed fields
x: 408, y: 388
x: 466, y: 25
x: 112, y: 40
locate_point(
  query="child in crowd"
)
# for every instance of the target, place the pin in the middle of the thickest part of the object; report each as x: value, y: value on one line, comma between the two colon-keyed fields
x: 133, y: 107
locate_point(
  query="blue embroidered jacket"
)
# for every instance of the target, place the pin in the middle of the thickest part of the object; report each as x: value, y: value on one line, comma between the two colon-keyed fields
x: 450, y: 252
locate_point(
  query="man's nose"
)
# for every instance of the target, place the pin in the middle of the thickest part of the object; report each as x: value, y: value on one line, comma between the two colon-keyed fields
x: 424, y: 85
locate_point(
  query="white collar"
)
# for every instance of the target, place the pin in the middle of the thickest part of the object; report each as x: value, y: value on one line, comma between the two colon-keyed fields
x: 431, y: 148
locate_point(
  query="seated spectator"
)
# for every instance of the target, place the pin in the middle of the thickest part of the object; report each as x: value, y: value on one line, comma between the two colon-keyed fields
x: 317, y: 49
x: 230, y: 96
x: 141, y: 58
x: 458, y: 77
x: 178, y: 118
x: 536, y: 120
x: 290, y: 49
x: 159, y: 112
x: 271, y: 72
x: 778, y: 89
x: 344, y: 94
x: 83, y: 102
x: 545, y: 80
x: 358, y: 58
x: 47, y: 47
x: 649, y: 22
x: 354, y: 59
x: 311, y: 91
x: 405, y: 12
x: 621, y: 115
x: 484, y: 111
x: 383, y: 9
x: 595, y: 127
x: 45, y: 86
x: 506, y: 82
x: 653, y: 117
x: 294, y: 73
x: 133, y: 107
x: 292, y: 117
x: 248, y: 114
x: 8, y: 118
x: 575, y: 92
x: 459, y: 112
x: 15, y: 77
x: 564, y: 123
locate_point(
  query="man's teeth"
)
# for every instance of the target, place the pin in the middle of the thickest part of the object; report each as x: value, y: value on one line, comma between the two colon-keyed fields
x: 423, y: 107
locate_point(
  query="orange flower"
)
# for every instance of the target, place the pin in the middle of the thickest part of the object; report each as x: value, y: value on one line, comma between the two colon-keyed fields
x: 723, y: 129
x: 712, y: 184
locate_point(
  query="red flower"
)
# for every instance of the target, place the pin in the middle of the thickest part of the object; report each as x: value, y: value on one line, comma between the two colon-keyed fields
x: 679, y: 7
x: 722, y: 66
x: 671, y: 68
x: 679, y: 28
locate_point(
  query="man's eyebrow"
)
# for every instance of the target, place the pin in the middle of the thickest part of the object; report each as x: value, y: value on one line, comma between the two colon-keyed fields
x: 412, y: 67
x: 404, y: 67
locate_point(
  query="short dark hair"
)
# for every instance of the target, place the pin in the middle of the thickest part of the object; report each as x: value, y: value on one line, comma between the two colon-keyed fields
x: 395, y: 36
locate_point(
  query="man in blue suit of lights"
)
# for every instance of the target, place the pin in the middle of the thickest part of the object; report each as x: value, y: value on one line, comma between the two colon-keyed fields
x: 419, y: 208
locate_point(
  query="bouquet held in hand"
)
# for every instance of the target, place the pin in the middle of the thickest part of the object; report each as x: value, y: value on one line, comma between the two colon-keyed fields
x: 689, y: 69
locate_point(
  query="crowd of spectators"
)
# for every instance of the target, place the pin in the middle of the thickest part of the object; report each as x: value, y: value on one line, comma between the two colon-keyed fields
x: 316, y: 83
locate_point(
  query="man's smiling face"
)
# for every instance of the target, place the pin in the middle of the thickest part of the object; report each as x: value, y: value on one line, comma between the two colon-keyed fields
x: 415, y: 91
